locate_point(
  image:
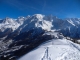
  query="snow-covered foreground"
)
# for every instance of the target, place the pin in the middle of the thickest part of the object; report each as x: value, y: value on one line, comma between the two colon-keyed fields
x: 56, y: 49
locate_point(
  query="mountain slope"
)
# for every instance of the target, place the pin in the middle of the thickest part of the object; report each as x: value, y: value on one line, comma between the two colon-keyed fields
x: 56, y: 49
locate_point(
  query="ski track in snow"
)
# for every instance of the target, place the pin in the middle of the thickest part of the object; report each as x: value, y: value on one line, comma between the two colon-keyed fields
x: 58, y: 49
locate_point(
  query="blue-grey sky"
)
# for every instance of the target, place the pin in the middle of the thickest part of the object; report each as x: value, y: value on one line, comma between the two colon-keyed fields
x: 59, y: 8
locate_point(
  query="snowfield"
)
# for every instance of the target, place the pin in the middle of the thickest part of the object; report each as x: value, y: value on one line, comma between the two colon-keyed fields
x: 56, y: 49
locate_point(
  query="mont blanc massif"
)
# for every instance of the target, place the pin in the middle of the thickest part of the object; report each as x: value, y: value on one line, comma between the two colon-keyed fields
x: 40, y: 37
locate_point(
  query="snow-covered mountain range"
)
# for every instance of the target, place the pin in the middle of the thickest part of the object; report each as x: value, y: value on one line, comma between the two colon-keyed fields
x: 71, y: 26
x: 26, y: 33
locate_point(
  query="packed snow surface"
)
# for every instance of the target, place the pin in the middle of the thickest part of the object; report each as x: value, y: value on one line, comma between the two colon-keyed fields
x: 55, y: 49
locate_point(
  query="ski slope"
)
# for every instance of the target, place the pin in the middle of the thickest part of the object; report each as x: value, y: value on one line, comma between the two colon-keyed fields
x: 55, y: 49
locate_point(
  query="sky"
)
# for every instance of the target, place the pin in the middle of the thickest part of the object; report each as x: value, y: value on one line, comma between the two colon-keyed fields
x: 59, y: 8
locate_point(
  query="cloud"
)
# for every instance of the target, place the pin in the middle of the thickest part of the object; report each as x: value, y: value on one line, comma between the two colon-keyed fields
x: 44, y: 6
x: 20, y: 5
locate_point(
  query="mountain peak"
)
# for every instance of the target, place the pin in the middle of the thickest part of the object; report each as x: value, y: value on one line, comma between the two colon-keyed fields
x: 39, y: 16
x: 8, y: 20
